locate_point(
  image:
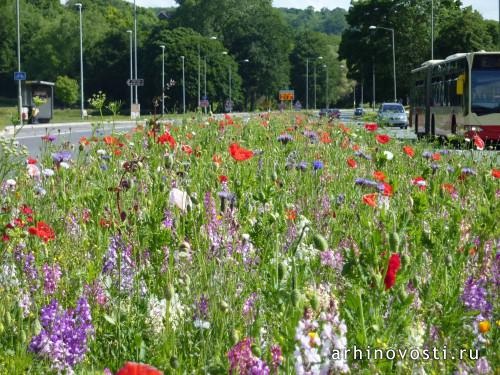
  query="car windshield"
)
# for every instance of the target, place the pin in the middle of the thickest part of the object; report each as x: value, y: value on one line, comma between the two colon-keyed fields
x: 393, y: 108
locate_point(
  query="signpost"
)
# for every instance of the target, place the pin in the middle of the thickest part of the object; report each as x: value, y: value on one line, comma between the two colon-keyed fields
x: 228, y: 105
x: 204, y: 103
x: 287, y: 95
x: 135, y: 82
x: 19, y: 76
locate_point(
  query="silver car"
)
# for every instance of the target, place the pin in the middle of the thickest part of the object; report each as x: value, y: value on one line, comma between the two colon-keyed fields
x: 393, y: 114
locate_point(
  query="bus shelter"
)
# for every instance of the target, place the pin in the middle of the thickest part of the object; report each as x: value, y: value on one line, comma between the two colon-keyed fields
x: 38, y: 101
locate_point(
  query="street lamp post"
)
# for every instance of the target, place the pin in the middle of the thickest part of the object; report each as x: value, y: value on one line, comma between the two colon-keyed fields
x: 432, y: 29
x: 183, y: 88
x: 131, y: 73
x: 319, y: 58
x: 326, y: 91
x: 393, y: 56
x: 162, y: 80
x: 135, y: 52
x: 19, y: 91
x: 79, y: 6
x: 307, y: 83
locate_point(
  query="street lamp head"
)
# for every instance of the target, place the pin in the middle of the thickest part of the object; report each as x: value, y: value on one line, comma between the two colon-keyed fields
x: 182, y: 57
x: 246, y: 60
x: 78, y: 5
x: 224, y: 52
x: 320, y: 58
x: 129, y: 31
x: 372, y: 27
x: 213, y: 37
x: 162, y: 46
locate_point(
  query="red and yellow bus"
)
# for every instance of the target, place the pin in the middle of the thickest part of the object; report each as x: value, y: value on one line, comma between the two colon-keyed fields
x: 458, y: 95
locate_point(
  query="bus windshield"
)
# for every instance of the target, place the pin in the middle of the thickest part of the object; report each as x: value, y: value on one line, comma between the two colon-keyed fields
x: 485, y: 88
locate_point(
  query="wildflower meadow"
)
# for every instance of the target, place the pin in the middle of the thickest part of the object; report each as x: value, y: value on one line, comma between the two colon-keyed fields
x: 283, y: 244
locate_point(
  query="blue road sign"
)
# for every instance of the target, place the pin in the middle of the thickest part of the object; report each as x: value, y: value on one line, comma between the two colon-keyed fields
x: 19, y: 76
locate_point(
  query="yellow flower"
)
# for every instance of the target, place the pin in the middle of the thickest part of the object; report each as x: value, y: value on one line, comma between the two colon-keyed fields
x: 484, y: 326
x: 313, y: 337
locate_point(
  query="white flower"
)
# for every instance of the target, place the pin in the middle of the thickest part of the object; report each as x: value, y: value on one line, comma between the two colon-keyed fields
x: 156, y: 313
x: 175, y: 311
x: 198, y: 323
x: 48, y: 172
x: 180, y: 199
x: 64, y: 165
x: 33, y: 171
x: 101, y: 152
x: 388, y: 155
x: 11, y: 183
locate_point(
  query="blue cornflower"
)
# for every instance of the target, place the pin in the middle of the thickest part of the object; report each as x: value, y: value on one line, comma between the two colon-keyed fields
x: 468, y: 171
x: 302, y: 166
x: 285, y: 138
x: 61, y: 156
x: 317, y: 164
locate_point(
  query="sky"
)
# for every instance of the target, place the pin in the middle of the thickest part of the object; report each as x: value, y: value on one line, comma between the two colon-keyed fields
x: 488, y: 8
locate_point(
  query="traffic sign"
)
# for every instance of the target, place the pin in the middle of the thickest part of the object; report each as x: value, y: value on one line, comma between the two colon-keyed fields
x: 204, y: 103
x: 228, y: 105
x: 19, y: 76
x: 297, y: 106
x: 135, y: 82
x: 287, y: 95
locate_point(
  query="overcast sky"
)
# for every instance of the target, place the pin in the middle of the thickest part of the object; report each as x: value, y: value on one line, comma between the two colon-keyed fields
x: 488, y: 8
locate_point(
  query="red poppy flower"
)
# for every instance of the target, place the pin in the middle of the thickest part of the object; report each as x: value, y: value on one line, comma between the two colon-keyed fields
x: 110, y: 140
x: 409, y: 151
x: 352, y: 163
x: 371, y: 126
x: 344, y: 129
x: 26, y: 210
x: 84, y: 141
x: 370, y: 199
x: 42, y: 231
x: 222, y: 178
x: 239, y: 153
x: 382, y: 138
x: 229, y: 119
x: 387, y: 189
x: 132, y: 368
x: 355, y: 147
x: 325, y: 138
x: 31, y: 160
x: 436, y: 156
x: 187, y: 149
x: 448, y: 188
x: 420, y: 182
x: 495, y: 173
x: 166, y: 138
x: 117, y: 152
x: 291, y: 215
x: 379, y: 175
x: 5, y: 238
x: 104, y: 223
x: 478, y: 142
x: 392, y: 270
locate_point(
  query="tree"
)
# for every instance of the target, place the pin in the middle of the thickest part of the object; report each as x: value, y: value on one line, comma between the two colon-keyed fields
x: 66, y: 90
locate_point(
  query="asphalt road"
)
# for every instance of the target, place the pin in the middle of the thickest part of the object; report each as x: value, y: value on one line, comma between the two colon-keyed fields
x: 30, y: 135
